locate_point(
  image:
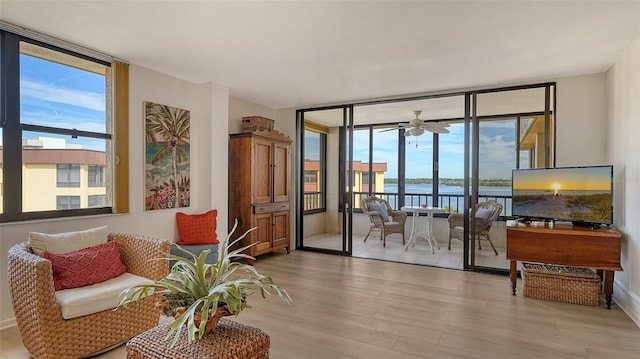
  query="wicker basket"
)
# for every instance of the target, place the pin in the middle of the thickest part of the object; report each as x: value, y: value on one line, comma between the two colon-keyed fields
x: 252, y: 123
x: 561, y: 284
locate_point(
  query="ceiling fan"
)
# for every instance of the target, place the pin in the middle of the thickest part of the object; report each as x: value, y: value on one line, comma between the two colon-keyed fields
x: 417, y: 127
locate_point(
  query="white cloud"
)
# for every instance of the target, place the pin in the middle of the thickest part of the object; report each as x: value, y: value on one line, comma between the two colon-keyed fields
x: 51, y: 93
x: 77, y: 121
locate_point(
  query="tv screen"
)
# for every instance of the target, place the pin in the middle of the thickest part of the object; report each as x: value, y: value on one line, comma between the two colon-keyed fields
x: 577, y: 194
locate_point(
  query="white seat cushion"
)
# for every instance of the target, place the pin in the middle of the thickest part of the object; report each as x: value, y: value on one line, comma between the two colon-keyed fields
x: 76, y: 302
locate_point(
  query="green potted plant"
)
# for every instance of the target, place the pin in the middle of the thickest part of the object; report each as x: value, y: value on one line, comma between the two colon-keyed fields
x: 197, y: 294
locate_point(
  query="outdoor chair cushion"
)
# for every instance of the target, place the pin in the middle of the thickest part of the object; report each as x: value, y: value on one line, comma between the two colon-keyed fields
x: 381, y: 208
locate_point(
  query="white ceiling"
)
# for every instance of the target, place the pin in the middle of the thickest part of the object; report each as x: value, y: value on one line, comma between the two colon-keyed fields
x: 306, y: 53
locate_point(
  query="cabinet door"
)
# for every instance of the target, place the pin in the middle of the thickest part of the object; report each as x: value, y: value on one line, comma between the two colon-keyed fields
x: 281, y: 172
x: 263, y: 234
x: 281, y: 229
x: 262, y: 166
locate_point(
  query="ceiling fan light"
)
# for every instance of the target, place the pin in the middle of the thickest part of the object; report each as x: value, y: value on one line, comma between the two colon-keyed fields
x: 416, y: 131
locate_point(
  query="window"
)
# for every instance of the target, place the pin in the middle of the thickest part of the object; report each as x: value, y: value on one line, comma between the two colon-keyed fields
x: 311, y: 177
x: 96, y: 176
x: 365, y: 179
x: 314, y: 171
x: 99, y: 200
x: 67, y: 202
x: 57, y: 128
x: 67, y: 175
x: 375, y: 156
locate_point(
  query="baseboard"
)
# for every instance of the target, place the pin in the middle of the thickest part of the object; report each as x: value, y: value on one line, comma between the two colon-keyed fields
x: 627, y: 301
x: 8, y: 323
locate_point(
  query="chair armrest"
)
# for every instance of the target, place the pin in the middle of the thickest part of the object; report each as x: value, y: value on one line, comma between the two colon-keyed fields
x: 376, y: 217
x: 399, y: 216
x: 482, y: 224
x: 31, y: 288
x: 456, y: 220
x: 143, y: 256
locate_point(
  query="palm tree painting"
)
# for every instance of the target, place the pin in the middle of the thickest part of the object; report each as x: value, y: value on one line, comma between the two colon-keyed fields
x: 167, y: 174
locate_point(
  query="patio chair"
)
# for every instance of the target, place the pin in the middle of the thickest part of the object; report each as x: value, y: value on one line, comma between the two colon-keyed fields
x: 383, y: 218
x: 486, y: 213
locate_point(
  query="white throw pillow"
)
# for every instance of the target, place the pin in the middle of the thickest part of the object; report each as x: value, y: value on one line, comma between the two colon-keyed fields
x: 381, y: 208
x: 61, y: 243
x: 484, y: 213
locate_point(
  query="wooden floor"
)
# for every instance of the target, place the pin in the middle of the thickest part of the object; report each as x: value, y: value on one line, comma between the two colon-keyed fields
x: 358, y: 308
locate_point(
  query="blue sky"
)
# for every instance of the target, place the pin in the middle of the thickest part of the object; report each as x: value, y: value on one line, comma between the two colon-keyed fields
x: 56, y: 95
x: 497, y: 156
x: 497, y: 151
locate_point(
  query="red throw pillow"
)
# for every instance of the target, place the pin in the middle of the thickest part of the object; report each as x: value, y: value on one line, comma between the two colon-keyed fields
x: 86, y: 266
x: 197, y: 228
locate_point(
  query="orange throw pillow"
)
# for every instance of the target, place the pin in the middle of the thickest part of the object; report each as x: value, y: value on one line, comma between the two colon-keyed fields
x: 197, y: 228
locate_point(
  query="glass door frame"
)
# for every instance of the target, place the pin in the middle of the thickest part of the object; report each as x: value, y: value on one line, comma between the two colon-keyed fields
x: 345, y: 194
x: 471, y: 160
x: 472, y: 157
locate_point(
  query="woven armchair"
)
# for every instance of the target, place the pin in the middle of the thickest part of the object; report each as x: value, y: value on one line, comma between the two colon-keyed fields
x: 47, y: 335
x: 483, y: 225
x: 394, y: 225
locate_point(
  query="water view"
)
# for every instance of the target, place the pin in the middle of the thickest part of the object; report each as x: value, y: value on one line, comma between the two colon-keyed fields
x: 449, y: 196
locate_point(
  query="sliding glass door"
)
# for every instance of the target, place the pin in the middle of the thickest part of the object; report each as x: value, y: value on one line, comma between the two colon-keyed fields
x: 514, y: 130
x: 450, y: 151
x: 324, y: 196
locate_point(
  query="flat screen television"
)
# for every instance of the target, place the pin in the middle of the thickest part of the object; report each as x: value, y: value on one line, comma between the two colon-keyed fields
x: 582, y: 195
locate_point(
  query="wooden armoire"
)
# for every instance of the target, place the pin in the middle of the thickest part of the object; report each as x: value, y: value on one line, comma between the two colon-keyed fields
x: 259, y: 189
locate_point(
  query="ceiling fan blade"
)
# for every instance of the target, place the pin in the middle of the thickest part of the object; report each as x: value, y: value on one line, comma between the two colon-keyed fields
x: 435, y: 129
x: 414, y: 131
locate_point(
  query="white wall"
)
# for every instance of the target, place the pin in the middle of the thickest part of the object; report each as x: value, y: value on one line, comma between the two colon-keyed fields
x: 623, y: 137
x: 239, y: 108
x: 583, y: 124
x: 208, y: 104
x: 580, y: 122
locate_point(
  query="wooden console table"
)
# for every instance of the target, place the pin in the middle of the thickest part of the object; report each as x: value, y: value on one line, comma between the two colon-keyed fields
x: 566, y: 245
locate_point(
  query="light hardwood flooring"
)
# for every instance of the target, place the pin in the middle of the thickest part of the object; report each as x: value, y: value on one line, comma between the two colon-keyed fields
x: 356, y: 308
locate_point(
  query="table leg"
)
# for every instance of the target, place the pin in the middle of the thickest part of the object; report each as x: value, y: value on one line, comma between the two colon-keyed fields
x: 608, y: 286
x: 428, y: 235
x: 413, y: 231
x: 513, y: 272
x: 431, y: 236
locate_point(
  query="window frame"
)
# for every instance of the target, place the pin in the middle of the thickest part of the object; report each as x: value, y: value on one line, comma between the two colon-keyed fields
x: 322, y: 154
x: 13, y: 128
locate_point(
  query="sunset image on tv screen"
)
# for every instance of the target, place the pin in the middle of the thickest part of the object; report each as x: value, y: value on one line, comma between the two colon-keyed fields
x: 572, y: 194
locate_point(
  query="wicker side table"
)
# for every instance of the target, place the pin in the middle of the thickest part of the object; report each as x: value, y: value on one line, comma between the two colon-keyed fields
x: 230, y: 340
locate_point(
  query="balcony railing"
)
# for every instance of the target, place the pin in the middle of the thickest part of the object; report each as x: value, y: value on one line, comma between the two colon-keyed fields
x: 453, y: 203
x: 313, y: 200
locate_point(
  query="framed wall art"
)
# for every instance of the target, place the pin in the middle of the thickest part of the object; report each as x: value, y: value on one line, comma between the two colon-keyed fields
x: 167, y: 172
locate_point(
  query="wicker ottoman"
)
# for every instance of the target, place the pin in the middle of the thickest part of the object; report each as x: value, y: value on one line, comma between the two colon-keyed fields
x: 230, y: 340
